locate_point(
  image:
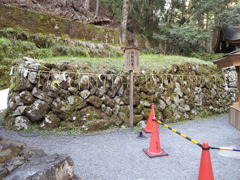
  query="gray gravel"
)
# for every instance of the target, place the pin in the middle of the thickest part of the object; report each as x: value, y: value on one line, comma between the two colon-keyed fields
x: 118, y: 155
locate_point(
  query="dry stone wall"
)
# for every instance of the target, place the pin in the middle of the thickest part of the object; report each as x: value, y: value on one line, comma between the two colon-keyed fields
x: 57, y: 95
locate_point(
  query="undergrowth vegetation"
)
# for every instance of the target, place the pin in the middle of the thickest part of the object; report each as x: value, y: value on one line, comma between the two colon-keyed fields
x: 148, y: 62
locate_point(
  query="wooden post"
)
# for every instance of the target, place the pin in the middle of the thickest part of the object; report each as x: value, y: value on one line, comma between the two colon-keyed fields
x: 131, y: 63
x: 131, y: 100
x: 238, y: 84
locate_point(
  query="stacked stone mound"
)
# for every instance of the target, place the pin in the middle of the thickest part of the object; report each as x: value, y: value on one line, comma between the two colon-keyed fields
x: 17, y: 161
x: 59, y: 96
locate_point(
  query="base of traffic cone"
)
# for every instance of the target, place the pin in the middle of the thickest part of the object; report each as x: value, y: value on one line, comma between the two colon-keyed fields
x: 148, y: 128
x: 150, y: 155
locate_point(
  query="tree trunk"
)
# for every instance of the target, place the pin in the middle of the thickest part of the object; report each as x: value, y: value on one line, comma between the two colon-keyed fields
x: 123, y: 27
x: 87, y: 4
x: 207, y: 28
x: 97, y: 8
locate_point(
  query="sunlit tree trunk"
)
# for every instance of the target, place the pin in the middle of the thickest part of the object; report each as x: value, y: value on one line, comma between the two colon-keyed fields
x: 97, y: 8
x: 123, y: 27
x: 87, y: 4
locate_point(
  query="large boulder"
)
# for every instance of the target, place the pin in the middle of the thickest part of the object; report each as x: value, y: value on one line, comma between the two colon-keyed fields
x: 37, y: 110
x: 45, y: 167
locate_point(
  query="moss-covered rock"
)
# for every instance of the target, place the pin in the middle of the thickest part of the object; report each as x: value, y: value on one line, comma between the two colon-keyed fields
x: 51, y: 121
x: 37, y: 110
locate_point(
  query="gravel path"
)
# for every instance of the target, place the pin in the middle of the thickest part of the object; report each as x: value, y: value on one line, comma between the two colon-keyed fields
x: 118, y: 155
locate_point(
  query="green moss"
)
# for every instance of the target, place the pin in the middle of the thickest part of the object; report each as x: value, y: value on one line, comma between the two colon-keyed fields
x: 12, y: 86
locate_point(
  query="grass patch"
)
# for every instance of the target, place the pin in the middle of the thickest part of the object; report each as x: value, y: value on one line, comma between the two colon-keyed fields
x: 148, y: 62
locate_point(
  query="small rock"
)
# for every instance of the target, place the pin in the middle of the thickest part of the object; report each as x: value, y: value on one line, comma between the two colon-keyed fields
x: 108, y: 111
x: 116, y: 109
x: 72, y: 90
x: 94, y: 100
x: 118, y: 100
x: 6, y: 152
x: 6, y: 143
x: 70, y: 100
x: 31, y: 152
x: 3, y: 172
x: 145, y: 103
x: 51, y: 121
x: 101, y: 91
x: 16, y: 161
x: 19, y: 111
x: 22, y: 122
x: 27, y: 97
x: 84, y: 94
x: 108, y: 101
x: 35, y: 66
x: 162, y: 104
x: 103, y: 107
x: 32, y: 77
x: 41, y: 95
x: 141, y: 124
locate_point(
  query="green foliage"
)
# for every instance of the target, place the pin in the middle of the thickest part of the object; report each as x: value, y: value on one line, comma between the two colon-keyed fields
x: 114, y: 8
x: 184, y: 39
x: 230, y: 16
x: 16, y: 48
x: 5, y: 67
x: 44, y: 53
x: 207, y: 56
x: 143, y: 15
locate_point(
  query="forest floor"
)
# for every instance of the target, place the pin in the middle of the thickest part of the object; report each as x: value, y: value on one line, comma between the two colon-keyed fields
x: 118, y: 154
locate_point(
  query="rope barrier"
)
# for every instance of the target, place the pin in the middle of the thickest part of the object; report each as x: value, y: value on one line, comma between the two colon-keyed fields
x: 125, y: 73
x: 182, y: 135
x: 225, y: 148
x: 195, y: 142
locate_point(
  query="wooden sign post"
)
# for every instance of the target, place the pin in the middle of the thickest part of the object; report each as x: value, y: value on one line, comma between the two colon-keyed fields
x: 131, y: 63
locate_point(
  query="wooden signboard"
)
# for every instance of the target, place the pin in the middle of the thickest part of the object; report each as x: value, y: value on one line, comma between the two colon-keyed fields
x: 131, y: 60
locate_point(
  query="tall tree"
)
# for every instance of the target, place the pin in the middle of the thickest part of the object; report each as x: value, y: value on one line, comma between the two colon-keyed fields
x: 97, y: 8
x: 87, y: 4
x: 123, y: 27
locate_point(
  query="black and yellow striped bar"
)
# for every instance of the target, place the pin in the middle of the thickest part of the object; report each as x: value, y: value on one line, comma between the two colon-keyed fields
x: 183, y: 135
x: 225, y: 148
x: 195, y: 142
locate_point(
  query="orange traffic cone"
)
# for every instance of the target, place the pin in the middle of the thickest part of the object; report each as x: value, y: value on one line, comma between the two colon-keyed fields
x: 148, y: 128
x: 155, y: 148
x: 205, y: 170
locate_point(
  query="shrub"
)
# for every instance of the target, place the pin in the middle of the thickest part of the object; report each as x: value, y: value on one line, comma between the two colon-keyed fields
x: 206, y: 56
